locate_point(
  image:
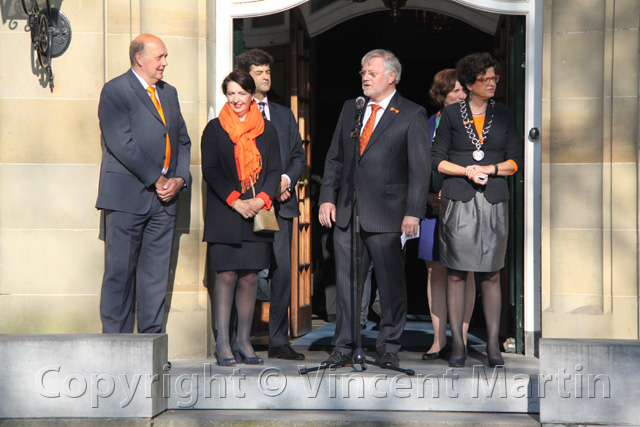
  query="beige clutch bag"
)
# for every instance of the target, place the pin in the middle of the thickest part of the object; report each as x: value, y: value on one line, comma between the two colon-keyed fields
x: 265, y: 221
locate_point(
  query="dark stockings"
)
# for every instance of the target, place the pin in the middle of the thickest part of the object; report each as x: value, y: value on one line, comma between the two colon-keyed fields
x: 455, y: 308
x: 491, y: 303
x: 243, y: 284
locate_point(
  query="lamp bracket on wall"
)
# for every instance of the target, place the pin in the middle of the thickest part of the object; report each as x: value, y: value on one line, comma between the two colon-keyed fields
x: 50, y: 33
x: 394, y: 5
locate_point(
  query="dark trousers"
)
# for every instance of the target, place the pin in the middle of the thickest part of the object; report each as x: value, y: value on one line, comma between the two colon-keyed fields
x: 280, y: 291
x: 387, y: 255
x: 137, y: 251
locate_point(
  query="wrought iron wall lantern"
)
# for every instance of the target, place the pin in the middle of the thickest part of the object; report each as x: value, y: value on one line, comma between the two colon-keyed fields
x: 50, y: 33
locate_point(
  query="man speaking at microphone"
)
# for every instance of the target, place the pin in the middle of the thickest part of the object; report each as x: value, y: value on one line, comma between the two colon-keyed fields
x: 394, y: 158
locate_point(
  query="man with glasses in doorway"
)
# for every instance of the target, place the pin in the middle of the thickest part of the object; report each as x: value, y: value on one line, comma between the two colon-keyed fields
x: 393, y: 183
x: 259, y: 63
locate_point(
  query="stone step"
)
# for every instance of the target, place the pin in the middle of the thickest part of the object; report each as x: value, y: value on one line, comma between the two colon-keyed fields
x: 229, y: 418
x: 201, y: 418
x: 279, y: 385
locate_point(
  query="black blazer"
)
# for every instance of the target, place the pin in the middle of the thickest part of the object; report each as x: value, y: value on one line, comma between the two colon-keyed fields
x: 221, y: 223
x: 394, y: 168
x: 452, y: 143
x: 291, y: 154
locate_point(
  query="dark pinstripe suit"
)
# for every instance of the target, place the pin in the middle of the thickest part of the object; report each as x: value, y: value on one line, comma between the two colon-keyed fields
x: 393, y: 183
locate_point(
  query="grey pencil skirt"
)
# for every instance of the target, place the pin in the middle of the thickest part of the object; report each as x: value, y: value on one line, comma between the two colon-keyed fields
x: 473, y: 234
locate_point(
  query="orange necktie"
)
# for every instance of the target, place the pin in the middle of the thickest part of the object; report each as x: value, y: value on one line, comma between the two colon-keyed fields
x: 167, y: 154
x: 368, y: 128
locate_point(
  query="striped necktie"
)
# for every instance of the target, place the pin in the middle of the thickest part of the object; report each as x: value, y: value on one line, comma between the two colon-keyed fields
x: 261, y: 106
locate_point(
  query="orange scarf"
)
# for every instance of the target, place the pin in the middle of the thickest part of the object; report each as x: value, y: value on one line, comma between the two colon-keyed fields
x: 243, y: 135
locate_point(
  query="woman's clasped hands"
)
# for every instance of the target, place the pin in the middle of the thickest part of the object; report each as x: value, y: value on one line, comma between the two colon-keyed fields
x: 478, y: 174
x: 248, y: 208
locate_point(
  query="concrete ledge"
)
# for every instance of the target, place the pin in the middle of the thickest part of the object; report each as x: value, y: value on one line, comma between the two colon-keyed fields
x: 278, y: 385
x: 82, y: 375
x: 295, y: 418
x: 589, y: 381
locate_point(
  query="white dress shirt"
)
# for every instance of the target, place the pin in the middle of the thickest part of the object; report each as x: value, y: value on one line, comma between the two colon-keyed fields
x: 267, y: 113
x: 367, y: 111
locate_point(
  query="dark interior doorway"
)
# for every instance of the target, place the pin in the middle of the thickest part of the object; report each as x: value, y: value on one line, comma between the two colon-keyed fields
x: 425, y: 43
x: 423, y: 50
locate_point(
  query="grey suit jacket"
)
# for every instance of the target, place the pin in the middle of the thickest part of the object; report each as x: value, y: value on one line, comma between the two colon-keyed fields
x: 133, y: 144
x: 394, y: 168
x: 291, y: 154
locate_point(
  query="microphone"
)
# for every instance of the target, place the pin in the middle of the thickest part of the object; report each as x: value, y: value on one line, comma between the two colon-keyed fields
x: 355, y: 133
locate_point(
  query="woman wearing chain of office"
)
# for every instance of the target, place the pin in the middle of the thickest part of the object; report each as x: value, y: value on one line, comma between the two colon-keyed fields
x: 476, y: 148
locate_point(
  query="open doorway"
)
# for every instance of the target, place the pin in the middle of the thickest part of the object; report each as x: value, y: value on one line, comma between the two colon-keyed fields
x: 425, y: 43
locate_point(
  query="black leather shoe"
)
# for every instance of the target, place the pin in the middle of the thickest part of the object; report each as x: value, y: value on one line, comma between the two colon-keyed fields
x: 433, y: 356
x: 247, y: 360
x: 442, y: 354
x: 337, y: 358
x: 284, y: 352
x: 457, y: 362
x: 494, y: 362
x: 224, y: 361
x: 390, y: 359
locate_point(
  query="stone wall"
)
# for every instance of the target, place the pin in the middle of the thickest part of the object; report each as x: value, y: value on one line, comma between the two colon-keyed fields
x: 51, y: 260
x: 590, y: 169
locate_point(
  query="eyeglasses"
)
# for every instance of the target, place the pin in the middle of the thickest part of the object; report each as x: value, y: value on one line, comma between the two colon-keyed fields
x: 486, y: 80
x: 370, y: 73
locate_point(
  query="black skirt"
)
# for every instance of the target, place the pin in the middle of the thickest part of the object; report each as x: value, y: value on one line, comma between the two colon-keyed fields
x: 245, y: 256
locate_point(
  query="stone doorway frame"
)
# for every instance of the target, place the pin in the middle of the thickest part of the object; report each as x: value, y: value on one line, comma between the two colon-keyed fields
x: 222, y: 50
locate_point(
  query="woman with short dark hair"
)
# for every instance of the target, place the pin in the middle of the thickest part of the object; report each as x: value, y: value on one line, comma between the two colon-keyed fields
x: 476, y: 148
x: 241, y: 166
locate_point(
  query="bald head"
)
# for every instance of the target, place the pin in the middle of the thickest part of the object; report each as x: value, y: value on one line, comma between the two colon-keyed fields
x: 138, y: 44
x: 148, y: 56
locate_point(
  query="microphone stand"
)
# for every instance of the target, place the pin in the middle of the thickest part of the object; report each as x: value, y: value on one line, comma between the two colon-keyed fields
x: 358, y: 356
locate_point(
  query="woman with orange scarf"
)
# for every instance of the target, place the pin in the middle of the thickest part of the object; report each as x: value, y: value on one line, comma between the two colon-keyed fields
x: 241, y: 166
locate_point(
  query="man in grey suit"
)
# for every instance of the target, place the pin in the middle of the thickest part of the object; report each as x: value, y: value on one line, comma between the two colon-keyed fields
x: 258, y: 63
x: 394, y: 171
x: 145, y: 164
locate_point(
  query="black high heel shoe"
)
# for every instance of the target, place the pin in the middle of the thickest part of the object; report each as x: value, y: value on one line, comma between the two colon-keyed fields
x: 493, y: 362
x: 457, y: 362
x: 240, y: 356
x: 224, y: 361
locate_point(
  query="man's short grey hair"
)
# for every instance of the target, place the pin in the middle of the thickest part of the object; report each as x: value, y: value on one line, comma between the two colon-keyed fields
x: 135, y: 47
x: 389, y: 61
